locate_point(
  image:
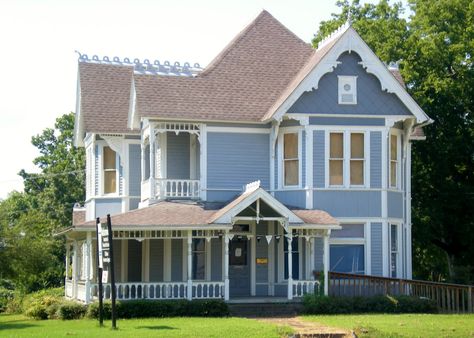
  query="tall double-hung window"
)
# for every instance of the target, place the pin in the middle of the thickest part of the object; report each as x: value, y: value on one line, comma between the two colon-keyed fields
x: 394, y: 250
x: 347, y: 159
x: 347, y: 249
x: 110, y: 171
x: 394, y: 161
x: 291, y: 161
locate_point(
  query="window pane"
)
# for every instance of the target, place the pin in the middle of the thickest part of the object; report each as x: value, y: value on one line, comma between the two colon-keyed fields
x: 393, y: 237
x: 291, y: 172
x: 349, y: 231
x: 347, y: 258
x: 109, y: 158
x: 337, y: 145
x: 393, y: 174
x: 357, y: 145
x: 198, y: 265
x: 357, y: 172
x: 290, y: 146
x: 110, y: 182
x: 393, y: 265
x: 393, y: 147
x: 335, y: 172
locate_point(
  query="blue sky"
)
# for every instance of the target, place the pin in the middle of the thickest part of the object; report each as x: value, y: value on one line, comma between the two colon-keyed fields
x: 38, y: 65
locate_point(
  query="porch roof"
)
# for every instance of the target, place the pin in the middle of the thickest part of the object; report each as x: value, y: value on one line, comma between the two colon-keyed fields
x: 185, y: 214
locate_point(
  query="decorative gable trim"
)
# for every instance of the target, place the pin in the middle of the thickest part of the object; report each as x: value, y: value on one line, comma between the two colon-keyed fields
x: 350, y: 41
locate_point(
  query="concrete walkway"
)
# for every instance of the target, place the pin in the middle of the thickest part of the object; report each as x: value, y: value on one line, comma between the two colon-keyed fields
x: 309, y: 329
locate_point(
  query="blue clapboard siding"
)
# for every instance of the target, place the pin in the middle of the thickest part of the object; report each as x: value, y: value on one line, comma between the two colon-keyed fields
x: 348, y: 203
x: 261, y: 247
x: 276, y: 168
x: 177, y: 156
x: 375, y: 159
x: 376, y: 249
x: 176, y: 260
x: 303, y: 164
x: 133, y: 203
x: 222, y: 195
x: 395, y: 204
x: 216, y: 259
x: 235, y: 159
x: 292, y: 198
x: 118, y: 260
x: 135, y: 169
x: 156, y: 260
x: 318, y: 254
x: 106, y: 206
x: 318, y: 159
x: 346, y: 121
x: 134, y: 260
x: 371, y: 100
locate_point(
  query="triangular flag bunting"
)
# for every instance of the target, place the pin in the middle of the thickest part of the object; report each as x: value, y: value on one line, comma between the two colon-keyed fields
x: 231, y: 236
x: 269, y: 238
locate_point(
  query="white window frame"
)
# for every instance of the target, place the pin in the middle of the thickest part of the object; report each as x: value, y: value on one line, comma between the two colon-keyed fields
x: 281, y: 174
x: 342, y: 81
x: 355, y: 241
x: 397, y: 133
x: 399, y: 249
x: 346, y: 165
x: 101, y: 168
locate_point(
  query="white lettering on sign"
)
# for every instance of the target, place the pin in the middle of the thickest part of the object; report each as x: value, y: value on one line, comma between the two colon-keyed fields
x: 105, y: 276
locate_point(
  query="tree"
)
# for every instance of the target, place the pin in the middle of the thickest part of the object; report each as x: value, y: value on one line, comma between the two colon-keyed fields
x: 434, y: 48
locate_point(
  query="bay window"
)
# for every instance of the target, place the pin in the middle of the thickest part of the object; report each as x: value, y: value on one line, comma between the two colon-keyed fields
x: 291, y: 162
x: 394, y: 250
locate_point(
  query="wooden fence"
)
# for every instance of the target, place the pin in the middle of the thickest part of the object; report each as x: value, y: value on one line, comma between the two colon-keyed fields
x: 451, y: 298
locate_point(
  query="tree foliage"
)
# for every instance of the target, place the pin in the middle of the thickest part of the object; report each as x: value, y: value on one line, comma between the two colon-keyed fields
x: 434, y: 47
x: 29, y: 253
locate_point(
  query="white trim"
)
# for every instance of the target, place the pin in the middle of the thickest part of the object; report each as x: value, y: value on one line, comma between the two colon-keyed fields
x: 408, y: 213
x: 78, y: 119
x: 253, y: 257
x: 203, y: 160
x: 271, y: 259
x: 146, y: 260
x: 281, y: 173
x: 207, y: 267
x: 399, y: 249
x: 352, y: 82
x: 192, y: 156
x: 385, y: 248
x: 351, y: 41
x: 309, y: 139
x: 245, y: 130
x: 397, y: 133
x: 354, y: 116
x: 368, y: 248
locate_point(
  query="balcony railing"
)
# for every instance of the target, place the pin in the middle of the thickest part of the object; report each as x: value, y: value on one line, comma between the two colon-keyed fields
x: 177, y: 188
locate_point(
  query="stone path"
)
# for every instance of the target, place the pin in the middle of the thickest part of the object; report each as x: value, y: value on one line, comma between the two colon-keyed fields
x: 309, y: 329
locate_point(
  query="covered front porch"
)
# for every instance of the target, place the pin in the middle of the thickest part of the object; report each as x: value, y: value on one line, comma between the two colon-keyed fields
x: 252, y: 247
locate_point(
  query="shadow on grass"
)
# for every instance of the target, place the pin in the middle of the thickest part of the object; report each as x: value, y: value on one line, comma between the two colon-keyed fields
x: 15, y: 325
x: 157, y: 327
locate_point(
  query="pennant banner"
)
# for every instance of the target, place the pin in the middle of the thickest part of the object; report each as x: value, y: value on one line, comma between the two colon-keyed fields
x: 269, y: 238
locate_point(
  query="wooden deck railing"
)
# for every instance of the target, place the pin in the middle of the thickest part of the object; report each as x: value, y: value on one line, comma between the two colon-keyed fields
x: 451, y: 298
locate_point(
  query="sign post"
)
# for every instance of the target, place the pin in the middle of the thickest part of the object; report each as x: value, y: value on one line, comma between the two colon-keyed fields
x: 100, y: 267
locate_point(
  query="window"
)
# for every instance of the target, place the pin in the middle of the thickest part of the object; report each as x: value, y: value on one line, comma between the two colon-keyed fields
x: 199, y: 258
x: 347, y: 249
x: 336, y: 159
x: 394, y: 252
x: 394, y: 161
x: 347, y: 88
x: 346, y: 159
x: 110, y: 171
x: 295, y: 271
x: 290, y: 159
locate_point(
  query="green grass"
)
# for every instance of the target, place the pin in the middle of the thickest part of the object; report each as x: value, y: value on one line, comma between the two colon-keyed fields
x: 405, y: 325
x: 20, y: 326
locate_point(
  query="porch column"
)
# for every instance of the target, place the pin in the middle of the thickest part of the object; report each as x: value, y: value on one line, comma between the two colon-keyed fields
x: 190, y: 265
x: 226, y: 266
x: 311, y: 258
x: 74, y: 270
x: 152, y: 162
x: 88, y: 267
x: 326, y: 264
x: 66, y: 279
x: 289, y: 238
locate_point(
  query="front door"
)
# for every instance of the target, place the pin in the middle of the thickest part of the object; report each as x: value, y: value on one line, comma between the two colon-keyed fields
x: 239, y: 267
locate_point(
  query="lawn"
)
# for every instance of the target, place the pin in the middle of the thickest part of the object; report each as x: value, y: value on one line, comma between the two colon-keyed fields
x: 20, y: 326
x: 406, y: 325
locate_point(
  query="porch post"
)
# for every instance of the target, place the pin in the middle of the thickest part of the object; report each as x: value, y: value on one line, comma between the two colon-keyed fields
x: 88, y: 267
x: 226, y: 266
x: 326, y: 264
x: 190, y: 265
x: 66, y: 279
x: 311, y: 258
x: 74, y: 270
x: 289, y: 238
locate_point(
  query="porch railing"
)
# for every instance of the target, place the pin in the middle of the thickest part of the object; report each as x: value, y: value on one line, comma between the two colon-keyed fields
x: 450, y: 298
x: 69, y: 288
x: 177, y: 188
x: 159, y: 291
x: 302, y: 287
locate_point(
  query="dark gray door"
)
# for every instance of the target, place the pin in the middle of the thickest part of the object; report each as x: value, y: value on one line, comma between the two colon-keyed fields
x: 239, y: 268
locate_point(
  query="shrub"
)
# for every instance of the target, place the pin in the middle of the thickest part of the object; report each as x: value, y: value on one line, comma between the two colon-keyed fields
x: 149, y: 308
x: 376, y: 304
x: 37, y: 311
x: 70, y: 310
x: 6, y: 296
x: 42, y: 304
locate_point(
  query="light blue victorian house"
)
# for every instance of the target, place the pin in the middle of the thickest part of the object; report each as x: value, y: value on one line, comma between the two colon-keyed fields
x: 242, y: 179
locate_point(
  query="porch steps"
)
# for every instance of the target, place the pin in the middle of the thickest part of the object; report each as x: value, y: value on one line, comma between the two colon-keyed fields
x: 265, y: 310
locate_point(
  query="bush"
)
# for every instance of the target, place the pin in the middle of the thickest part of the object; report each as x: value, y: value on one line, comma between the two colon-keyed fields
x: 70, y: 310
x: 37, y: 311
x: 42, y: 304
x: 149, y: 308
x: 6, y: 296
x: 314, y: 304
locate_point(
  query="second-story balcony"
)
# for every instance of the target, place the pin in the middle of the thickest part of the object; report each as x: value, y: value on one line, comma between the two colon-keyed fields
x: 177, y: 188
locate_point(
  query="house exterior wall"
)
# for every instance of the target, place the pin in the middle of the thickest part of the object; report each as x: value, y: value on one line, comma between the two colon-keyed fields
x: 178, y: 156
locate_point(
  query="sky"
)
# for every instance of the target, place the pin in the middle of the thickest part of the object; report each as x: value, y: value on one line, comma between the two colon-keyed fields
x: 38, y: 63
